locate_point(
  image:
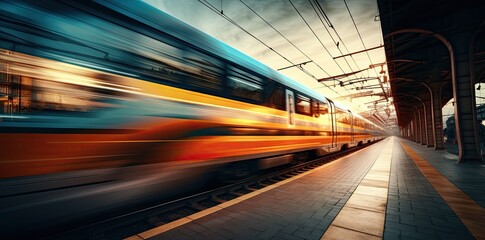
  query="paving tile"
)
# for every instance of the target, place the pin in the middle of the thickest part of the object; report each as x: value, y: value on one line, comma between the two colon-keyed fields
x: 407, y: 218
x: 382, y: 172
x: 282, y: 236
x: 301, y: 209
x: 361, y: 220
x: 422, y: 211
x: 371, y: 191
x: 445, y: 235
x: 372, y: 203
x: 392, y: 217
x: 391, y: 236
x: 270, y: 232
x: 173, y: 235
x: 291, y: 228
x: 425, y: 229
x: 417, y: 235
x: 391, y: 229
x: 374, y: 183
x: 196, y: 227
x: 338, y: 233
x: 379, y: 177
x: 400, y: 226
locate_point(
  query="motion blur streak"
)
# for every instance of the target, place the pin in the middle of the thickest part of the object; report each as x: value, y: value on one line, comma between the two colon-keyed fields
x: 110, y: 105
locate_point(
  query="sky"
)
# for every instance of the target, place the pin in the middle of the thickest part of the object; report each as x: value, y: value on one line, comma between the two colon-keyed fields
x: 299, y: 32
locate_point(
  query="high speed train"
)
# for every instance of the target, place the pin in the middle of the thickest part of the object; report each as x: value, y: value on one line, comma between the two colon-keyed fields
x: 105, y: 104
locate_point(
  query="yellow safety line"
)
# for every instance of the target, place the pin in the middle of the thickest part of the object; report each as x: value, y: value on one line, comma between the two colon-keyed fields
x: 177, y: 223
x: 470, y: 212
x: 363, y: 215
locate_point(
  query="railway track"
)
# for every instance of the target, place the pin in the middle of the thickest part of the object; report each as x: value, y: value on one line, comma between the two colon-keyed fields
x: 126, y: 225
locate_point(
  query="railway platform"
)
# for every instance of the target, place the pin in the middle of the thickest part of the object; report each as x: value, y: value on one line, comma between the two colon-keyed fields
x: 394, y: 189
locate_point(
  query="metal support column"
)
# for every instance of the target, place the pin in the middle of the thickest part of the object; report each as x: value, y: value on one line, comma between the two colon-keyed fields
x: 418, y: 126
x: 429, y: 123
x: 413, y: 122
x: 436, y: 115
x: 408, y: 133
x: 464, y: 94
x: 415, y: 127
x: 422, y: 124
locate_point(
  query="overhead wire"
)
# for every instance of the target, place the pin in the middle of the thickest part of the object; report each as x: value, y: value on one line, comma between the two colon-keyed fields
x: 319, y: 9
x: 323, y: 45
x: 377, y: 19
x: 325, y: 17
x: 329, y: 23
x: 214, y: 9
x: 362, y: 41
x: 358, y: 33
x: 211, y: 7
x: 269, y: 24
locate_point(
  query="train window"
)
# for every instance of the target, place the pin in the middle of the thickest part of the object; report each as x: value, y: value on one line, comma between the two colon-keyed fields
x: 158, y: 60
x: 175, y: 64
x: 205, y: 71
x: 325, y: 119
x: 55, y: 96
x: 357, y: 122
x: 323, y: 108
x: 277, y: 98
x: 315, y: 108
x: 245, y: 85
x: 27, y: 86
x: 342, y: 116
x: 303, y: 105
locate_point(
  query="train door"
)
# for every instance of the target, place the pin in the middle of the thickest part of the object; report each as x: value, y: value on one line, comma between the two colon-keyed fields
x: 351, y: 127
x: 290, y: 107
x: 334, y: 125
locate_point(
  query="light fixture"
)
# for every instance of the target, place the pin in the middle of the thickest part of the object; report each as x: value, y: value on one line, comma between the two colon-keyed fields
x: 382, y: 70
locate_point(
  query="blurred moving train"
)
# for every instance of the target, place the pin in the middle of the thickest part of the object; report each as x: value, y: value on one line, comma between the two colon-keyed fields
x: 104, y: 104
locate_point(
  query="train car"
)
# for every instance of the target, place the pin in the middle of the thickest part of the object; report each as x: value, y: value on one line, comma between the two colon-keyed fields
x: 365, y: 131
x: 105, y: 104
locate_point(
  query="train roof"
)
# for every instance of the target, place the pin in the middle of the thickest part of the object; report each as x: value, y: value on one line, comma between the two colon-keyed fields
x: 158, y: 19
x: 49, y: 28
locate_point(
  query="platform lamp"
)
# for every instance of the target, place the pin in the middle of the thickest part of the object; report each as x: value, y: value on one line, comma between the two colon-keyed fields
x: 382, y: 69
